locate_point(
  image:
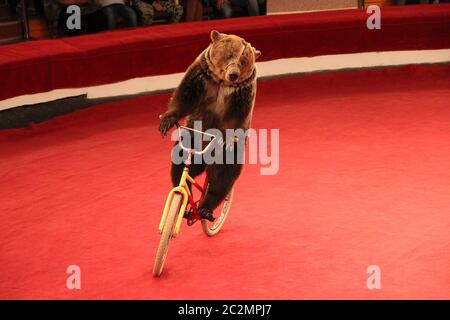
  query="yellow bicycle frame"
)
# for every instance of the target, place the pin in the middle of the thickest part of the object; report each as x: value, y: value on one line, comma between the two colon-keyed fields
x: 182, y: 189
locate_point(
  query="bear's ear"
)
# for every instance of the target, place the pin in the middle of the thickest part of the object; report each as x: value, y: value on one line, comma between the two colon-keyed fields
x: 216, y: 35
x: 257, y: 53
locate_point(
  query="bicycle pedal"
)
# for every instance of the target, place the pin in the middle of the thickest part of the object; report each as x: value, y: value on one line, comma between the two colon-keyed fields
x: 207, y: 215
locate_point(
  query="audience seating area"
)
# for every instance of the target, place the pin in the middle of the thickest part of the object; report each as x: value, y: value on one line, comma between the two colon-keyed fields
x: 32, y: 18
x: 26, y: 19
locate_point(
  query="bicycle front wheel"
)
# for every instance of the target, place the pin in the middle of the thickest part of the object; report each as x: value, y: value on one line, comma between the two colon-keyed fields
x: 166, y: 234
x: 212, y: 228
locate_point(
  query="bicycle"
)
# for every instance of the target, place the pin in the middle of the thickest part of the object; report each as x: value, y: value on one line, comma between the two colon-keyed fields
x: 181, y: 204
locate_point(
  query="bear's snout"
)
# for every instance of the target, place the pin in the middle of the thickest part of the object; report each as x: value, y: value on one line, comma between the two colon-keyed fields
x: 234, y: 76
x: 233, y: 73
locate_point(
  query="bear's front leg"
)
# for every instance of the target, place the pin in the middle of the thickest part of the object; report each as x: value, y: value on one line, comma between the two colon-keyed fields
x: 185, y: 98
x: 167, y: 121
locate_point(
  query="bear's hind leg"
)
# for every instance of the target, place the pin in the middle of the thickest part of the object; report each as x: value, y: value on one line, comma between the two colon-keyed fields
x: 221, y: 180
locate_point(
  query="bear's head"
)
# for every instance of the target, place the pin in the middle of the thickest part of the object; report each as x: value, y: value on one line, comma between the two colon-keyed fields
x: 230, y: 58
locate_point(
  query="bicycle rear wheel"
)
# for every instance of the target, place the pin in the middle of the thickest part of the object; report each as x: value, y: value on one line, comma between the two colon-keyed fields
x: 166, y: 234
x: 212, y: 228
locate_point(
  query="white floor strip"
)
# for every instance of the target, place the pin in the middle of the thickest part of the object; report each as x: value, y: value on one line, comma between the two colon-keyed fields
x: 265, y: 69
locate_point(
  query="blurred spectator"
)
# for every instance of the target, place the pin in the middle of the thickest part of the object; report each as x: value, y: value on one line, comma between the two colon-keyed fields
x: 194, y: 10
x: 54, y: 8
x: 113, y: 9
x: 145, y: 11
x: 226, y: 6
x: 148, y: 8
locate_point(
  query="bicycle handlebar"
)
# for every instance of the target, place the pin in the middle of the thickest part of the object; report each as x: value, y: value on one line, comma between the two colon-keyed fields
x: 190, y: 150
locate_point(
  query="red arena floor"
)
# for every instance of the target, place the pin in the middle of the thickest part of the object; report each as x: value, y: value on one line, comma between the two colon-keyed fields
x: 363, y: 180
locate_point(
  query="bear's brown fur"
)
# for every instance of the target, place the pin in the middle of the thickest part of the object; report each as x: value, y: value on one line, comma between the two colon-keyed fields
x: 218, y: 89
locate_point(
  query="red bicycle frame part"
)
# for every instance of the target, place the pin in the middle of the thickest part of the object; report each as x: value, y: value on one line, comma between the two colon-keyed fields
x: 193, y: 203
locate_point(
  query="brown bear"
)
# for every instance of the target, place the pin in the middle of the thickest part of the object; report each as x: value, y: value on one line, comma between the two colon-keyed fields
x: 218, y: 89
